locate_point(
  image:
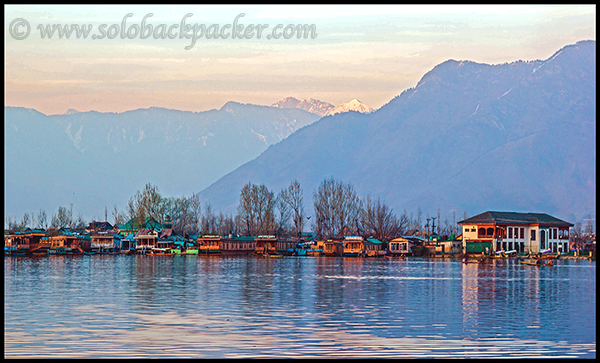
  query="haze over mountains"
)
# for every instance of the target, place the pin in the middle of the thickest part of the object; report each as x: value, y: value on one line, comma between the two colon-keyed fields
x: 469, y: 137
x: 94, y: 159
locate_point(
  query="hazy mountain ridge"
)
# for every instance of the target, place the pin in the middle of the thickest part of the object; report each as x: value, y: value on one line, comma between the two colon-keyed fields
x: 109, y: 156
x: 469, y: 137
x: 322, y: 108
x: 311, y: 105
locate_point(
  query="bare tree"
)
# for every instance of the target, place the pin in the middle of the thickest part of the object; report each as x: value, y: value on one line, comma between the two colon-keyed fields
x: 290, y: 202
x: 42, y: 219
x: 256, y: 210
x: 79, y: 223
x: 26, y: 221
x: 208, y: 224
x: 379, y: 220
x: 64, y: 218
x: 118, y: 217
x: 196, y: 213
x: 337, y: 209
x: 577, y: 235
x: 589, y: 226
x: 225, y: 224
x: 148, y: 203
x: 285, y: 212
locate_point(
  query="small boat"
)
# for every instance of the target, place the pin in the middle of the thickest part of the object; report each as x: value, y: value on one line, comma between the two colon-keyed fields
x: 549, y: 257
x: 89, y: 253
x: 539, y: 263
x: 465, y: 261
x: 402, y: 257
x: 161, y: 252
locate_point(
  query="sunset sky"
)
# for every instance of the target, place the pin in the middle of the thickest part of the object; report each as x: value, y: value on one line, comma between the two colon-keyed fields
x: 368, y: 52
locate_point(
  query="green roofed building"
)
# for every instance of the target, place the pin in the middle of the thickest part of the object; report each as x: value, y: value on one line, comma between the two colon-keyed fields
x: 132, y: 227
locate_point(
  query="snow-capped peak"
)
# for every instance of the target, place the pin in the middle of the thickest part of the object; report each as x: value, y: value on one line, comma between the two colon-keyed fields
x: 354, y: 105
x: 311, y: 105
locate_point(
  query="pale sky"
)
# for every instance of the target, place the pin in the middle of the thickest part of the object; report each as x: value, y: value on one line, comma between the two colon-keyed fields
x: 368, y: 52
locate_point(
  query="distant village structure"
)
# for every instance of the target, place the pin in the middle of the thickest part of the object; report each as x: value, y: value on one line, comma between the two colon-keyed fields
x: 485, y: 234
x: 528, y: 233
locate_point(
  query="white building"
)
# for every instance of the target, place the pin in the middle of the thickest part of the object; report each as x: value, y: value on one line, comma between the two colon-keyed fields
x: 523, y: 232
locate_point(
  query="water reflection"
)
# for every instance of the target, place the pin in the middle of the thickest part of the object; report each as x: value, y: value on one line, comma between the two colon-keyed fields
x: 249, y: 307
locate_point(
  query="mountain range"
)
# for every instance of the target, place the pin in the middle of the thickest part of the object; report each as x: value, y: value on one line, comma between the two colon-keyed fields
x: 322, y: 108
x: 96, y: 159
x: 468, y: 138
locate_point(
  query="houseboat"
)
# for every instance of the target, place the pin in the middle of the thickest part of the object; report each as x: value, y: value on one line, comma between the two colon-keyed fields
x: 287, y: 246
x: 353, y: 246
x: 373, y: 247
x: 104, y: 242
x: 209, y: 244
x: 266, y: 245
x: 237, y: 246
x: 65, y: 244
x: 400, y: 247
x: 26, y: 243
x: 332, y: 247
x: 145, y: 240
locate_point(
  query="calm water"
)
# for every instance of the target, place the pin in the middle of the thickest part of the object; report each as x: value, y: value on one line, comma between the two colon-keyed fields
x: 254, y: 307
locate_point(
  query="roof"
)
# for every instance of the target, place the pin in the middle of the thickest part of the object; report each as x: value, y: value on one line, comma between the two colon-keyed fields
x: 515, y: 218
x: 166, y: 232
x: 241, y: 238
x: 99, y: 225
x: 148, y: 224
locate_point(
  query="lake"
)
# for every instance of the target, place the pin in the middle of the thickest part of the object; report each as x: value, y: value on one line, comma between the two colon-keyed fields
x: 118, y: 306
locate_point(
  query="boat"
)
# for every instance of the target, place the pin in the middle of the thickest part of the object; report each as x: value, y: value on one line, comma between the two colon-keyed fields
x: 465, y: 261
x: 161, y: 252
x: 401, y: 257
x: 89, y: 253
x: 549, y: 263
x: 61, y: 251
x: 499, y: 255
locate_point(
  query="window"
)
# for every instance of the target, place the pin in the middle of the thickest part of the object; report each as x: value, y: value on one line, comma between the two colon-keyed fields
x: 543, y: 240
x: 533, y: 235
x: 554, y: 231
x: 490, y: 231
x: 509, y: 232
x: 522, y: 232
x: 481, y: 232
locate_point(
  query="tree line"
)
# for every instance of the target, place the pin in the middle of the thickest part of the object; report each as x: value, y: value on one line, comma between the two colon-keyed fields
x: 338, y: 211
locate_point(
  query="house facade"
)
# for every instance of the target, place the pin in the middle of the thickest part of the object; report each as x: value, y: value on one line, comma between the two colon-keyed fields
x: 400, y: 246
x: 208, y: 244
x: 266, y: 244
x: 523, y: 232
x: 237, y: 246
